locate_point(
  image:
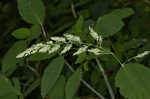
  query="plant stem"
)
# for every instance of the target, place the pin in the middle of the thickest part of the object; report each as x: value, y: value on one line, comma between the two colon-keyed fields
x: 106, y: 79
x: 43, y: 31
x: 122, y: 65
x: 85, y: 83
x: 73, y: 10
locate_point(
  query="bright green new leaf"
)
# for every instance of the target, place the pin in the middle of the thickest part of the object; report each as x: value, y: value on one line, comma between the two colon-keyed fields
x: 133, y: 80
x: 21, y: 33
x: 9, y: 61
x: 58, y: 91
x: 73, y: 84
x: 51, y: 75
x: 108, y: 25
x: 32, y: 11
x: 123, y: 12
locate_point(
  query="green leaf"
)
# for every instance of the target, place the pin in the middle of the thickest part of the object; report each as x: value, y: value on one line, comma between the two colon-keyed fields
x: 73, y: 84
x: 82, y: 57
x: 32, y: 87
x: 35, y: 32
x: 6, y: 87
x: 16, y: 84
x: 133, y: 81
x: 9, y: 61
x: 123, y: 12
x: 32, y: 11
x: 77, y: 29
x: 9, y: 96
x: 108, y: 25
x: 40, y: 56
x: 21, y: 33
x: 59, y: 88
x: 51, y: 75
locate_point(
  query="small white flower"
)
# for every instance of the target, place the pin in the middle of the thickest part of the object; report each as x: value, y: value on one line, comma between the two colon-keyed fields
x: 54, y: 48
x: 58, y: 39
x: 67, y: 48
x: 142, y: 54
x: 21, y: 55
x: 95, y: 35
x: 81, y: 50
x: 95, y: 51
x: 72, y: 38
x: 49, y: 42
x: 45, y: 48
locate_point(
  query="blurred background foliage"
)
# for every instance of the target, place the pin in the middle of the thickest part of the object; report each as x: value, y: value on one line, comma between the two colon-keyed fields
x: 67, y: 16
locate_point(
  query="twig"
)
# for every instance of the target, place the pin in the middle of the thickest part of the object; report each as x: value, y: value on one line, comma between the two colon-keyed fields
x: 85, y: 83
x: 106, y: 79
x: 43, y: 31
x: 73, y: 10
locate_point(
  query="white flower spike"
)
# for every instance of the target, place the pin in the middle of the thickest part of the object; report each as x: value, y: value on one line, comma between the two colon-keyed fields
x: 72, y: 38
x: 67, y: 48
x: 81, y: 50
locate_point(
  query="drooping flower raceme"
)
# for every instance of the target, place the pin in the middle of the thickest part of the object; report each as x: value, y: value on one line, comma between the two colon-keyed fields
x: 67, y: 41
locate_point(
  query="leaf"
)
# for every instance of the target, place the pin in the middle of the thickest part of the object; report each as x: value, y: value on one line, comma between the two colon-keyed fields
x: 21, y: 33
x: 6, y: 87
x: 123, y: 12
x: 73, y: 84
x: 82, y: 57
x: 9, y: 61
x: 40, y: 56
x: 77, y: 28
x: 33, y: 86
x: 108, y: 25
x: 35, y: 32
x: 16, y: 84
x: 59, y: 88
x: 133, y: 80
x: 32, y: 11
x: 9, y: 96
x: 51, y: 75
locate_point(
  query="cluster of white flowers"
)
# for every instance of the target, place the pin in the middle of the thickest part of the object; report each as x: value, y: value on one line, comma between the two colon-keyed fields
x: 68, y: 40
x: 95, y: 35
x: 142, y: 54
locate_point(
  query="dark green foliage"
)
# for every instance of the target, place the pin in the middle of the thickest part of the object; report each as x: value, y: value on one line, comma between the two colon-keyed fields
x: 32, y: 11
x: 131, y: 77
x: 123, y: 25
x: 73, y: 84
x: 51, y: 74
